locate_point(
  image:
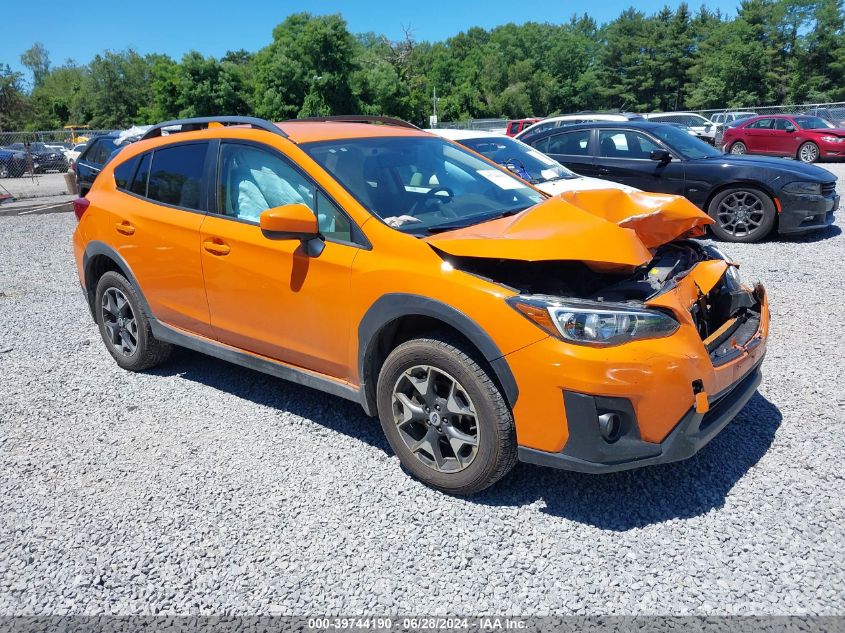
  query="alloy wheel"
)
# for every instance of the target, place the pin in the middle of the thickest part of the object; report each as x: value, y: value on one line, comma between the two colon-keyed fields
x: 740, y: 213
x: 436, y: 418
x: 119, y: 322
x: 809, y: 153
x: 738, y: 148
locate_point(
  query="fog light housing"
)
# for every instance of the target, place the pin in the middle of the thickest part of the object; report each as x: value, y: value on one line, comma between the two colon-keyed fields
x: 610, y: 427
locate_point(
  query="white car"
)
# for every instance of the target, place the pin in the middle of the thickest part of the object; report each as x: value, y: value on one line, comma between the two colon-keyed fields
x: 572, y: 119
x: 543, y: 172
x: 74, y: 152
x: 703, y: 127
x: 722, y: 118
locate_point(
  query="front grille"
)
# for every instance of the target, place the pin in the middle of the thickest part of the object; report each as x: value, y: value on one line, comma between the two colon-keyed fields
x: 828, y: 188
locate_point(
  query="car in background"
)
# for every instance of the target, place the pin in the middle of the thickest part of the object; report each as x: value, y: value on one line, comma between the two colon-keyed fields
x: 13, y: 163
x: 836, y: 116
x: 74, y: 152
x: 723, y: 118
x: 43, y: 158
x: 543, y: 172
x: 93, y: 158
x: 703, y: 127
x: 801, y: 136
x: 517, y: 125
x: 573, y: 119
x: 747, y: 196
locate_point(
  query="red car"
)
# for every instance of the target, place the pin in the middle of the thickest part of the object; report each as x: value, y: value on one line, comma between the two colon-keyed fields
x: 805, y: 137
x: 517, y: 125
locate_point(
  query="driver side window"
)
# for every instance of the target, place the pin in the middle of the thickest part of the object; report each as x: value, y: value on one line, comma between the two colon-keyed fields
x: 253, y: 180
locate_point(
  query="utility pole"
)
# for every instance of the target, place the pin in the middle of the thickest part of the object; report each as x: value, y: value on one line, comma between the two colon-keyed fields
x: 432, y: 122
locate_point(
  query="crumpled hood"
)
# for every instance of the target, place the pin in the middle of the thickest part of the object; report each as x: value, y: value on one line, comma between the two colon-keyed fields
x: 607, y: 229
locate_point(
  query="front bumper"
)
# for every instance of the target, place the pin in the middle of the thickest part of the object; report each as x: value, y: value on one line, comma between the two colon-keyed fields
x: 802, y: 213
x: 586, y: 451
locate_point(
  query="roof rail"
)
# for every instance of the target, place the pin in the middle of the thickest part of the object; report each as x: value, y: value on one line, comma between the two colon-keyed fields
x: 200, y: 123
x: 357, y: 118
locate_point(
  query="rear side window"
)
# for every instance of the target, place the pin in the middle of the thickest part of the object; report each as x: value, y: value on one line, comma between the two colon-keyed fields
x: 139, y: 183
x: 100, y: 151
x: 123, y: 173
x: 176, y: 175
x: 571, y: 143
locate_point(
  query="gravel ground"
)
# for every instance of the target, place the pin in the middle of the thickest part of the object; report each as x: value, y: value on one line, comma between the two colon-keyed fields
x: 204, y: 488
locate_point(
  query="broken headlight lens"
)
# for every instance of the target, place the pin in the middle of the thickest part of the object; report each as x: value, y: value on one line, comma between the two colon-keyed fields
x: 803, y: 187
x: 593, y: 323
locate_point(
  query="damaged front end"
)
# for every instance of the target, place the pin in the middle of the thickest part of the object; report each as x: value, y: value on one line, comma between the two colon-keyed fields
x: 685, y: 282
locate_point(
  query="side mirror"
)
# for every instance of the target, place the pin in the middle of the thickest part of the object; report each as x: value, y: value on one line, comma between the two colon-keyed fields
x: 290, y: 221
x: 293, y: 222
x: 661, y: 155
x: 790, y: 128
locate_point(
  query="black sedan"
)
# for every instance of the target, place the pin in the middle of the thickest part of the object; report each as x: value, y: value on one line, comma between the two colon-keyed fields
x: 42, y: 157
x: 747, y: 196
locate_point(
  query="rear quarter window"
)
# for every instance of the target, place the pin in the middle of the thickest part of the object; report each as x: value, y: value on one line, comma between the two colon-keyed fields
x: 123, y: 173
x: 176, y: 175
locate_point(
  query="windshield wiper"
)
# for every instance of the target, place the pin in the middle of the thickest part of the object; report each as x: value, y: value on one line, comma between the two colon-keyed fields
x: 442, y: 228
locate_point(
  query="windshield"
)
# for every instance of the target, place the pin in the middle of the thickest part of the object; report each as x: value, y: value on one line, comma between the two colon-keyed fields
x: 422, y: 184
x: 812, y: 123
x: 524, y: 161
x: 687, y: 146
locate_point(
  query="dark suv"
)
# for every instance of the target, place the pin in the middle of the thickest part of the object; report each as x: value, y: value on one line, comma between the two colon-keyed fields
x: 92, y: 159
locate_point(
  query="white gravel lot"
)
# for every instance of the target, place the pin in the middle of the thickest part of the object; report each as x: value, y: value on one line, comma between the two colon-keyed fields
x: 204, y: 488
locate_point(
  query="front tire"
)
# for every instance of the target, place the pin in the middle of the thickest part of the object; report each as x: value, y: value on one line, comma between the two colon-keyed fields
x: 741, y: 214
x: 808, y: 152
x: 444, y: 416
x: 124, y: 325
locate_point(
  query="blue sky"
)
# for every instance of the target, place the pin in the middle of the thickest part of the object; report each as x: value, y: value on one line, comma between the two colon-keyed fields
x: 80, y: 30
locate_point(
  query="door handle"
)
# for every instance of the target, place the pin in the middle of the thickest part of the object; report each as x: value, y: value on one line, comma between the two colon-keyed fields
x: 216, y: 247
x: 125, y: 228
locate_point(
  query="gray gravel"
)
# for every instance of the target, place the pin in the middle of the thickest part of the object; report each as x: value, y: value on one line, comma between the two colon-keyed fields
x: 203, y: 488
x: 37, y: 186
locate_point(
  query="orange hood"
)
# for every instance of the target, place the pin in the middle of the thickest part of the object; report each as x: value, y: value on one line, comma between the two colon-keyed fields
x: 607, y: 229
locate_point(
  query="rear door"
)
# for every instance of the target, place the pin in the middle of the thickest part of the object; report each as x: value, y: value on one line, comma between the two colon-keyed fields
x: 574, y: 149
x: 154, y: 224
x: 756, y: 135
x: 624, y: 156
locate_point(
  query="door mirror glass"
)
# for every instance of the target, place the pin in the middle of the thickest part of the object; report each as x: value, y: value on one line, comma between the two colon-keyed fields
x: 789, y: 127
x: 290, y: 221
x: 660, y: 155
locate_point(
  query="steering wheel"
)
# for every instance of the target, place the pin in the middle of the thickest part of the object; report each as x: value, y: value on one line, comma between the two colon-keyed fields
x: 430, y: 196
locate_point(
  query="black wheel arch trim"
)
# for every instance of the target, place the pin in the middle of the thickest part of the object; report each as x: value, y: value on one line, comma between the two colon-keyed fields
x: 96, y: 248
x: 390, y: 307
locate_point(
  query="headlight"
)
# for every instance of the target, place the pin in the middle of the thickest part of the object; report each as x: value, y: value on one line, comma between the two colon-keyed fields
x: 833, y: 139
x: 591, y: 322
x: 803, y: 187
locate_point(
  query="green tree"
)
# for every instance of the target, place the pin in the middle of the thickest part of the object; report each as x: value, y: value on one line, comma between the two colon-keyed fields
x: 14, y: 105
x: 37, y: 60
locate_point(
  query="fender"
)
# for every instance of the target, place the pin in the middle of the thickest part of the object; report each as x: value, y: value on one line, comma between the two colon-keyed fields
x: 392, y: 306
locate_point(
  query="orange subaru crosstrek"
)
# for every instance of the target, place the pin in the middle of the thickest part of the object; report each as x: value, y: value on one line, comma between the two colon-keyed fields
x: 482, y: 321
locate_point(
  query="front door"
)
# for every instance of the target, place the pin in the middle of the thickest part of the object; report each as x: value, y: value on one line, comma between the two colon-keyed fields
x: 267, y: 295
x: 624, y: 156
x: 782, y: 141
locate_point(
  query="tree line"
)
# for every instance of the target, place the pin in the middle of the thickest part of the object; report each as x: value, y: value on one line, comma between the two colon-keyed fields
x: 771, y: 52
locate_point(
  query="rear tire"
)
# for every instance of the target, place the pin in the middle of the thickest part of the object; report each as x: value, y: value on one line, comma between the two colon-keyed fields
x: 808, y: 153
x: 444, y: 416
x: 124, y: 325
x: 741, y: 214
x: 739, y: 148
